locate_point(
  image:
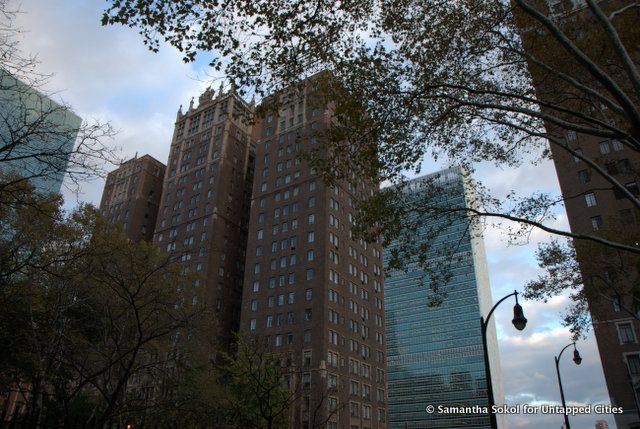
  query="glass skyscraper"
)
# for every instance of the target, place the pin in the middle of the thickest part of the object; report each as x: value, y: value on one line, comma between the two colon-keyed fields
x: 37, y: 135
x: 434, y: 346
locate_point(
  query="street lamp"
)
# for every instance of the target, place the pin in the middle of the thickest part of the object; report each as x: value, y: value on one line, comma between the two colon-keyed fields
x: 578, y: 360
x: 519, y: 321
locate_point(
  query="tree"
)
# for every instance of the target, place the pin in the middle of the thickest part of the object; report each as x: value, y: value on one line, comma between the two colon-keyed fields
x: 41, y: 140
x: 475, y: 81
x: 250, y: 387
x: 91, y: 320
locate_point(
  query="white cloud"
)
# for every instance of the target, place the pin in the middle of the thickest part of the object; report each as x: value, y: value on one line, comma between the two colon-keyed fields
x: 107, y: 74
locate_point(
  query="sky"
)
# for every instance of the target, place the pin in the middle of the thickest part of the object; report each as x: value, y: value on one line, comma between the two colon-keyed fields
x: 107, y: 74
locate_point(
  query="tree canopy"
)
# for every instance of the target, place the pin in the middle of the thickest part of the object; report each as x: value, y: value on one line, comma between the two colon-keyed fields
x: 475, y: 81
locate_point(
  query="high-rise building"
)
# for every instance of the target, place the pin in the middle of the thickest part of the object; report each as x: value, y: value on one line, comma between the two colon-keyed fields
x: 593, y: 205
x: 204, y: 209
x: 434, y: 349
x: 312, y: 292
x: 38, y: 135
x: 131, y: 196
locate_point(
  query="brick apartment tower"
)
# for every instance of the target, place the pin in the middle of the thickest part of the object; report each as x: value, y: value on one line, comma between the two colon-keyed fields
x: 311, y: 292
x: 593, y: 207
x: 204, y: 210
x: 131, y: 196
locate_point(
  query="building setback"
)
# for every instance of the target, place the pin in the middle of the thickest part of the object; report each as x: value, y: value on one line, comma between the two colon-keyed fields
x: 131, y: 196
x: 204, y: 210
x: 435, y: 353
x: 311, y: 292
x: 593, y: 207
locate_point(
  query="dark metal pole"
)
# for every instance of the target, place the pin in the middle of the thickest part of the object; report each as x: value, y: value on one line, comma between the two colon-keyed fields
x: 577, y: 360
x: 487, y: 372
x: 564, y: 404
x: 487, y: 367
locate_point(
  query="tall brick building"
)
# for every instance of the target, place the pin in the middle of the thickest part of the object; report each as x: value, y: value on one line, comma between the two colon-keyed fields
x: 594, y: 206
x: 131, y: 196
x: 312, y: 292
x: 204, y: 210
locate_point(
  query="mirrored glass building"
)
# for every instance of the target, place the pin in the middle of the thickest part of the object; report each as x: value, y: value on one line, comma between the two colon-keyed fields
x: 433, y: 307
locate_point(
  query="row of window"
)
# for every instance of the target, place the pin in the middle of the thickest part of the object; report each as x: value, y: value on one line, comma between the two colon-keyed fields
x: 632, y: 187
x: 279, y: 300
x: 279, y: 320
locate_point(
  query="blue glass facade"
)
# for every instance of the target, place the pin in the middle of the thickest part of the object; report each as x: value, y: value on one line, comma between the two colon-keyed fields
x: 37, y: 135
x: 434, y: 353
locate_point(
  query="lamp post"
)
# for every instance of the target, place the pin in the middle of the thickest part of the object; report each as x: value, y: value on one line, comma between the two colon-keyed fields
x: 578, y: 360
x: 519, y: 321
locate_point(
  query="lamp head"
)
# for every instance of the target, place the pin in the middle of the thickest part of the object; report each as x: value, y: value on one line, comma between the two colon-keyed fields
x: 519, y: 321
x: 576, y: 357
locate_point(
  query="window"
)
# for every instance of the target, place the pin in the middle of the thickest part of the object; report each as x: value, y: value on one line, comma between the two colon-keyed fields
x: 596, y: 223
x: 311, y: 237
x: 307, y: 336
x: 624, y: 166
x: 254, y: 305
x: 616, y: 304
x: 308, y: 314
x: 578, y: 152
x: 269, y: 321
x: 311, y: 219
x: 332, y: 381
x: 332, y: 404
x: 333, y: 239
x: 381, y: 415
x: 256, y: 286
x: 309, y: 273
x: 633, y: 362
x: 354, y: 409
x: 308, y: 294
x: 617, y: 145
x: 604, y: 148
x: 627, y: 216
x: 332, y: 359
x: 584, y: 176
x: 571, y: 136
x: 252, y: 324
x: 310, y: 255
x: 366, y: 412
x: 291, y: 298
x: 625, y: 333
x: 590, y: 199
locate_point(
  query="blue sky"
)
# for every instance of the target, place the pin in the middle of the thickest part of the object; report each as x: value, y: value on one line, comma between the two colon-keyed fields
x: 106, y: 73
